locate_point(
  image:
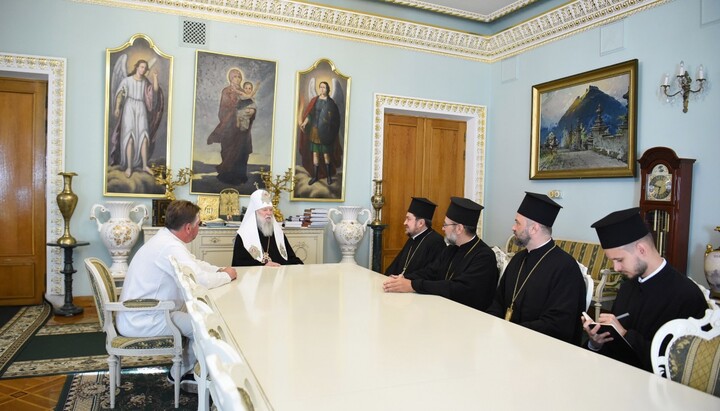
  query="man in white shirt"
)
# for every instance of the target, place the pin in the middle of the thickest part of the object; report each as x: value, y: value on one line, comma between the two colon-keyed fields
x: 151, y: 276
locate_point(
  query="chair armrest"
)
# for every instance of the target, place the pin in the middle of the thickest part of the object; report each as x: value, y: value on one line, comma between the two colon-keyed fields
x: 141, y: 305
x: 141, y: 302
x: 608, y: 279
x: 614, y: 278
x: 166, y: 307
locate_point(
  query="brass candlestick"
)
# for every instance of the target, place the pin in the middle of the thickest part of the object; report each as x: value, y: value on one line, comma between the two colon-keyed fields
x: 163, y: 175
x: 281, y: 183
x: 377, y: 201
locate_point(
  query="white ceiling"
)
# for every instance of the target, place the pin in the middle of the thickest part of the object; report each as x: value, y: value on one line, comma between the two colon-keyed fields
x: 478, y: 10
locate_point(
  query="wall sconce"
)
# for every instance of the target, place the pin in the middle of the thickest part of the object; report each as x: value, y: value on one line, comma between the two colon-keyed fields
x: 685, y: 84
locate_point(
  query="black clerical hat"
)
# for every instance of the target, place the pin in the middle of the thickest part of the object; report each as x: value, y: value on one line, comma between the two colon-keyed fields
x: 620, y: 228
x: 464, y: 211
x: 421, y: 207
x: 540, y: 208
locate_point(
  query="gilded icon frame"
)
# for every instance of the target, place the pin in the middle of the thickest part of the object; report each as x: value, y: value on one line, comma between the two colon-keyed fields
x: 307, y: 86
x: 134, y: 178
x: 580, y: 127
x: 209, y: 207
x: 230, y: 146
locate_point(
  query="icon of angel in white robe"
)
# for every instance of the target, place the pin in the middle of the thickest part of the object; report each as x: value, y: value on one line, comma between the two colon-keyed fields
x: 137, y: 106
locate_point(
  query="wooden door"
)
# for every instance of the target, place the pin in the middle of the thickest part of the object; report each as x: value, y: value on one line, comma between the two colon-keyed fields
x: 22, y: 191
x: 422, y: 157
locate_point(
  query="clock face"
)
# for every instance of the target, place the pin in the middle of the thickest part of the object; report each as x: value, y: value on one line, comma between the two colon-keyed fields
x: 659, y: 184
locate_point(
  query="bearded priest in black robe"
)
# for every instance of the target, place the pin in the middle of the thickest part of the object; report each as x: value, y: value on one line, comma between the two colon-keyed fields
x: 466, y: 270
x: 423, y: 244
x: 653, y: 294
x: 542, y: 287
x: 260, y: 239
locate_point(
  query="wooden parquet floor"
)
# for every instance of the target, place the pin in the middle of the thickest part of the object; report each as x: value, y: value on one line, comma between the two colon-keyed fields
x: 43, y: 393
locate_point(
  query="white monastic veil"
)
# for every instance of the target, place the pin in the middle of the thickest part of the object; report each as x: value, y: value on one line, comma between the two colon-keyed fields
x: 248, y: 230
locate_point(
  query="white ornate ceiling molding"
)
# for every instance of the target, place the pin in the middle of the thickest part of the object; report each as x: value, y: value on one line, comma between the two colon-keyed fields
x: 54, y: 69
x: 484, y: 18
x: 325, y: 21
x: 475, y: 117
x: 561, y: 22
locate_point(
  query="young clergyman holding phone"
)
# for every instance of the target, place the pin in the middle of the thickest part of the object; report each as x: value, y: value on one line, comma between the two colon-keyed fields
x: 654, y: 294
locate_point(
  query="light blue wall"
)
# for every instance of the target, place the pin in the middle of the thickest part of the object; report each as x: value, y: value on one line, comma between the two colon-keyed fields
x: 659, y: 38
x: 81, y: 33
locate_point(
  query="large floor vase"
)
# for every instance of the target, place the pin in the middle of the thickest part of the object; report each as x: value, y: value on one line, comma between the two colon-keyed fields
x: 349, y: 231
x: 119, y: 232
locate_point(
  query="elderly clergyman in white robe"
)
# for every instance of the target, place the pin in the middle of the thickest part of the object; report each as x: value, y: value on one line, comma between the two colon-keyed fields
x: 260, y: 239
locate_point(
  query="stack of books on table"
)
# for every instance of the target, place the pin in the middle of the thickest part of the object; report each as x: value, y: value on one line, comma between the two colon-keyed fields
x: 294, y: 221
x: 311, y: 218
x: 315, y: 217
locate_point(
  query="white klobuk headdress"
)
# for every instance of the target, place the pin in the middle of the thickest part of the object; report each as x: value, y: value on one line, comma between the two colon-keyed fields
x: 248, y: 230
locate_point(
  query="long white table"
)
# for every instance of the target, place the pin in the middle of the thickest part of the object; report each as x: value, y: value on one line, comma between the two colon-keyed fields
x: 326, y: 337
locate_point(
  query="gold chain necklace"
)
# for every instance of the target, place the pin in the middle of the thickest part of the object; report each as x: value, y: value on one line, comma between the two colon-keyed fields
x: 266, y: 255
x: 453, y: 260
x: 410, y: 256
x: 516, y: 292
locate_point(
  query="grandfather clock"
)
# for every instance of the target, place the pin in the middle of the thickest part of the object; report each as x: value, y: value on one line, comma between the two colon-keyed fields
x: 665, y: 202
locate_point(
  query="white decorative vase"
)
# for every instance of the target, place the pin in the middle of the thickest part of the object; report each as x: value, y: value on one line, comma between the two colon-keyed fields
x: 119, y: 233
x: 349, y: 231
x: 712, y: 269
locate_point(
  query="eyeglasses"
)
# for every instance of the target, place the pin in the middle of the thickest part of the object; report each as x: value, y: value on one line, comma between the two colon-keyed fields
x: 447, y: 224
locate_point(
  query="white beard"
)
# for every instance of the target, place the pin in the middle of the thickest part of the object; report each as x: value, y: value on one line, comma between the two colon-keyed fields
x: 266, y: 227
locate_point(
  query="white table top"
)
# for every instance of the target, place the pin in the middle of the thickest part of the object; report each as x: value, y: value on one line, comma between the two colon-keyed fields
x: 326, y: 337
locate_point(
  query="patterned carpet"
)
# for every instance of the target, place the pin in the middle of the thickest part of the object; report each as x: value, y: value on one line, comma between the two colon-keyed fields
x: 57, y: 349
x: 18, y: 330
x: 140, y: 389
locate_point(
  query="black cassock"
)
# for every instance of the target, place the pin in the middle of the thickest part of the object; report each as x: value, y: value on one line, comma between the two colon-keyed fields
x: 553, y: 298
x: 467, y: 274
x: 241, y: 257
x: 665, y: 296
x: 417, y: 252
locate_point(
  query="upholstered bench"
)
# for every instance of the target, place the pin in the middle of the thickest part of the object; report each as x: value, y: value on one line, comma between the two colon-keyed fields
x: 590, y: 255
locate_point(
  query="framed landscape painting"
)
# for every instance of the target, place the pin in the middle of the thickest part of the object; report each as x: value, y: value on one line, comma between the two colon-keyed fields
x: 138, y: 93
x: 232, y: 122
x: 584, y: 126
x: 321, y: 124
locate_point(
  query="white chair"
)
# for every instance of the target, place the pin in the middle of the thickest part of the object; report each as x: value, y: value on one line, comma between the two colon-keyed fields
x: 117, y: 345
x: 187, y: 281
x: 233, y: 387
x: 502, y: 260
x: 589, y: 284
x: 706, y: 293
x: 688, y: 351
x: 198, y: 312
x: 207, y: 328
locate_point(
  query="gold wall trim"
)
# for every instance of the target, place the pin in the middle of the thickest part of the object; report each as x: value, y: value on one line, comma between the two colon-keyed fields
x: 55, y: 69
x: 558, y: 23
x: 475, y: 117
